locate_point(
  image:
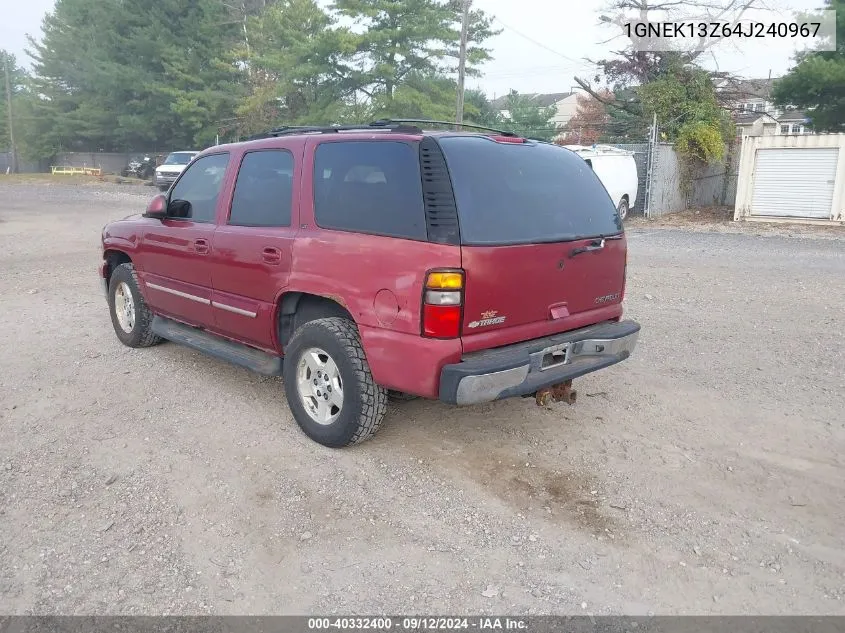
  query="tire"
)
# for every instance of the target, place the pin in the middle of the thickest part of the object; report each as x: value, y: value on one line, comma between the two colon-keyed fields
x: 329, y: 351
x: 133, y: 330
x: 623, y: 208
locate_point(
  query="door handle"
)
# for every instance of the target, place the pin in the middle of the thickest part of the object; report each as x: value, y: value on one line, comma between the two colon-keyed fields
x: 201, y: 246
x: 271, y: 255
x: 595, y: 245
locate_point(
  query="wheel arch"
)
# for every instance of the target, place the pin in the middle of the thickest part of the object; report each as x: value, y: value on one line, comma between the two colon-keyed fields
x: 295, y: 308
x: 114, y: 257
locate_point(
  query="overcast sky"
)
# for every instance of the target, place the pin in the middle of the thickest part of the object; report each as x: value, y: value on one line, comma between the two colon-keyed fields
x: 542, y: 45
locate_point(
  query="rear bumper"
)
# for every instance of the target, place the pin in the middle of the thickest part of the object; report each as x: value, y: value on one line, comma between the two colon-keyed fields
x: 523, y: 368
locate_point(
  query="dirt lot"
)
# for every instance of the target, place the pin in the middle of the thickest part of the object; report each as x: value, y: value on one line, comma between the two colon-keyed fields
x: 704, y: 475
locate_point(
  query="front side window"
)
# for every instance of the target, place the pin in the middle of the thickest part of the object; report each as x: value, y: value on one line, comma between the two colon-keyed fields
x: 264, y: 190
x: 369, y: 187
x: 199, y: 186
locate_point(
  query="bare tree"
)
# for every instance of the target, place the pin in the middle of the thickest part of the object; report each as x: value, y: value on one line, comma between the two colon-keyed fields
x: 635, y: 66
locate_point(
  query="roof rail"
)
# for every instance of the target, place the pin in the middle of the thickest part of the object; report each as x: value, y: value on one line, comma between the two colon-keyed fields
x: 387, y: 122
x: 287, y: 130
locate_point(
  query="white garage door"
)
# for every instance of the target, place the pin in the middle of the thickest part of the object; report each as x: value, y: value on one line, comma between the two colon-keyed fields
x: 794, y: 182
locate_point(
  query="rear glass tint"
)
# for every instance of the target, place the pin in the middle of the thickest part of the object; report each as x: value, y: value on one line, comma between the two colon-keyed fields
x: 510, y: 193
x: 369, y: 187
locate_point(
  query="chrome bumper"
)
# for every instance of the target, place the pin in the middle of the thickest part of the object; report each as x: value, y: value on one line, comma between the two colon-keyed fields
x: 525, y: 368
x: 160, y: 181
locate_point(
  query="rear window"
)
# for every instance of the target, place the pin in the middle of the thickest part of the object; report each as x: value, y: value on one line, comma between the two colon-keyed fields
x: 369, y: 187
x: 510, y: 193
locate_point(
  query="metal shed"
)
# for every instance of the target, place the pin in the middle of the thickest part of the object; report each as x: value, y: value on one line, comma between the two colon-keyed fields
x: 789, y: 178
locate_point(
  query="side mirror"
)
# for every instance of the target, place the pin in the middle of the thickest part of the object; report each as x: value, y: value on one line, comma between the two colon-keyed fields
x: 157, y: 208
x: 179, y: 209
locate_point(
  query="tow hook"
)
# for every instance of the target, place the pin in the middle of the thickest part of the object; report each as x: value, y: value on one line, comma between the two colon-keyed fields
x: 561, y: 392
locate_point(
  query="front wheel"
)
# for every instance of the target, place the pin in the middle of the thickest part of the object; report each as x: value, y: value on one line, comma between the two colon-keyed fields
x: 130, y: 316
x: 329, y: 386
x: 623, y: 208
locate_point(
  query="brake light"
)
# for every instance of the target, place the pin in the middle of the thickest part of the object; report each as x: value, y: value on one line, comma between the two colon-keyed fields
x: 443, y: 303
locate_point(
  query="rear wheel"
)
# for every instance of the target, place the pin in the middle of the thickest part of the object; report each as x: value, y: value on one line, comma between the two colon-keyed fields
x: 623, y: 208
x: 329, y: 386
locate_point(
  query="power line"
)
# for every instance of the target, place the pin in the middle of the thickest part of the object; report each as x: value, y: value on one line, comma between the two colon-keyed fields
x: 540, y: 44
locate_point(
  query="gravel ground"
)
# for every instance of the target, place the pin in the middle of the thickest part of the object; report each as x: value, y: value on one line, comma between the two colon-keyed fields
x: 705, y: 475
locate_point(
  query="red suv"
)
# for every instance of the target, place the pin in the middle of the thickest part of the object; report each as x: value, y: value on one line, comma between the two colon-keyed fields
x: 382, y: 258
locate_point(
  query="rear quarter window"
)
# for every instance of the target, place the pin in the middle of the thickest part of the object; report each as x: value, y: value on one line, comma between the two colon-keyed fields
x: 369, y: 187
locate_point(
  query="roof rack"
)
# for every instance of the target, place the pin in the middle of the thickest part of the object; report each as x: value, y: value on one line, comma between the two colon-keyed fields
x: 386, y: 122
x: 286, y: 130
x: 406, y: 126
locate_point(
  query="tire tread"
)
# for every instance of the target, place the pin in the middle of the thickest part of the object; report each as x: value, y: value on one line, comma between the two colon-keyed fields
x: 374, y: 397
x: 143, y: 314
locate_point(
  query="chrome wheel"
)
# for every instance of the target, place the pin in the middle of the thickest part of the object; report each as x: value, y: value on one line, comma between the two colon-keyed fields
x: 319, y: 385
x: 124, y: 307
x: 623, y: 209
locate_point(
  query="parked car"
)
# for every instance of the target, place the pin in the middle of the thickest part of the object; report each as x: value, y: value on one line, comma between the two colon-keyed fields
x: 355, y: 262
x: 167, y: 173
x: 617, y: 171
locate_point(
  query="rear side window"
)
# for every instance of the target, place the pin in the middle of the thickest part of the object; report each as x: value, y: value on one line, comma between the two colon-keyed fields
x: 369, y: 187
x: 263, y: 190
x: 509, y: 193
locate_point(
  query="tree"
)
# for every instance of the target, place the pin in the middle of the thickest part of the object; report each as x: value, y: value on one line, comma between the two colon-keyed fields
x: 298, y: 67
x: 528, y: 119
x: 17, y: 84
x: 590, y: 121
x: 108, y: 75
x: 478, y: 109
x: 632, y: 66
x: 689, y: 113
x: 401, y: 37
x: 817, y: 82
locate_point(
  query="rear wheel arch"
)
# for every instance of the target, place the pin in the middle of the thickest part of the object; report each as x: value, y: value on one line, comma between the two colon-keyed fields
x: 297, y: 308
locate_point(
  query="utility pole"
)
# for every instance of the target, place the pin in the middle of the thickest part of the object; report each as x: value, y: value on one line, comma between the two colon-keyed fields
x: 11, y: 119
x: 462, y: 63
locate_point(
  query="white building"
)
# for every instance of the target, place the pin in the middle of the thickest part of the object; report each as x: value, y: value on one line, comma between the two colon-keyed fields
x: 756, y: 114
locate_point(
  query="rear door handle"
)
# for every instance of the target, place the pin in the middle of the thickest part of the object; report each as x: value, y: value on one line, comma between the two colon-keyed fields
x: 201, y: 246
x: 271, y: 255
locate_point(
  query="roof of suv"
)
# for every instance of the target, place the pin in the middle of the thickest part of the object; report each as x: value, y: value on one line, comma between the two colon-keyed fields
x: 403, y: 129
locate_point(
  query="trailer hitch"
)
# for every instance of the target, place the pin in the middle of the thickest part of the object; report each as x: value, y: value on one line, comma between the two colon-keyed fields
x: 562, y: 392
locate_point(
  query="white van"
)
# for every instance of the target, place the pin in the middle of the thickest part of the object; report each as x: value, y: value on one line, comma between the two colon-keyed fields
x: 617, y: 171
x: 175, y: 163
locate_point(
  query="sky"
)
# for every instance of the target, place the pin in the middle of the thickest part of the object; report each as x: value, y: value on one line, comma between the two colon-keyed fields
x: 542, y: 46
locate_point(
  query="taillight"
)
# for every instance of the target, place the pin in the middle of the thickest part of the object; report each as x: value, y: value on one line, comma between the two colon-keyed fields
x: 443, y: 303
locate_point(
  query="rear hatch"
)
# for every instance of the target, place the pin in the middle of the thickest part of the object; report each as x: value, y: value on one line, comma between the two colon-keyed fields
x: 541, y: 241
